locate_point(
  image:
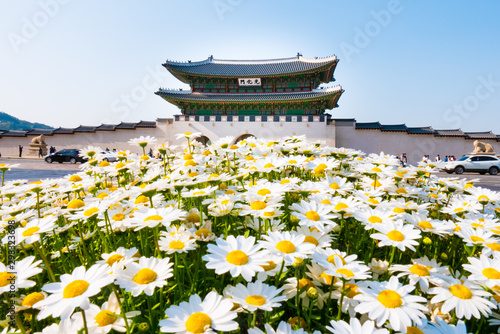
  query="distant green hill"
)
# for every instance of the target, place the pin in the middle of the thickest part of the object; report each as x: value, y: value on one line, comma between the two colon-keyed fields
x: 8, y: 122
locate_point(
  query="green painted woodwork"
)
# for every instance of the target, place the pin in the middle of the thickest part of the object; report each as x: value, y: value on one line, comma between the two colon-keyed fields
x: 204, y: 112
x: 295, y: 112
x: 248, y: 112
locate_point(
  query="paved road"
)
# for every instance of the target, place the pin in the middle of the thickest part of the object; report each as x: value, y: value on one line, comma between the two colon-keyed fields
x: 36, y: 169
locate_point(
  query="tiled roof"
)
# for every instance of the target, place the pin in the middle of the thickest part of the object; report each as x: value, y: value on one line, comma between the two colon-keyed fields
x: 13, y: 133
x: 425, y: 130
x: 206, y: 97
x: 38, y: 132
x: 146, y: 124
x: 481, y: 135
x: 350, y: 120
x: 394, y: 128
x: 106, y: 127
x: 449, y: 133
x: 85, y: 128
x: 63, y: 130
x: 124, y: 125
x: 250, y: 68
x: 368, y: 126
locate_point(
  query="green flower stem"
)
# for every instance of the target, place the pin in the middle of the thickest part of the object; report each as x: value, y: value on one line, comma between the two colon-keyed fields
x: 45, y: 261
x: 84, y: 322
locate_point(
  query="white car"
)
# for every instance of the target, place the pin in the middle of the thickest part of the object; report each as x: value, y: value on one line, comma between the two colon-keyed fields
x: 479, y: 163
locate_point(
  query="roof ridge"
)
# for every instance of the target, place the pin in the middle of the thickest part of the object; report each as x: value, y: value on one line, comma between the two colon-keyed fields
x: 211, y: 60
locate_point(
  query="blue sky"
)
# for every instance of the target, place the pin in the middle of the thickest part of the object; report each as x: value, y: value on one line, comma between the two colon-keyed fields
x: 71, y: 62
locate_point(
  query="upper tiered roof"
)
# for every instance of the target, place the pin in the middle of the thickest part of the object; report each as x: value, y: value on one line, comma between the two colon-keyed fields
x: 253, y: 68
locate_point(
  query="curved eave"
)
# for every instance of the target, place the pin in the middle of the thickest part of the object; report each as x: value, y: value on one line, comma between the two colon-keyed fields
x: 178, y: 99
x: 181, y: 71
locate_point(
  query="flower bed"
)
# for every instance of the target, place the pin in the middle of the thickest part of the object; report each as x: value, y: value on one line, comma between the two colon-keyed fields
x: 261, y: 236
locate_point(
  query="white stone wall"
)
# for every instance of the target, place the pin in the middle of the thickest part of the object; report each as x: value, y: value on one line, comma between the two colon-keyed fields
x: 342, y: 134
x: 415, y: 146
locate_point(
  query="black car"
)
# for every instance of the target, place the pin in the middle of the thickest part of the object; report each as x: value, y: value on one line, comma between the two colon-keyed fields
x: 68, y: 155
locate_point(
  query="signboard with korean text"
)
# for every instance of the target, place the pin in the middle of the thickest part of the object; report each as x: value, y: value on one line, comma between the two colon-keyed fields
x: 249, y: 82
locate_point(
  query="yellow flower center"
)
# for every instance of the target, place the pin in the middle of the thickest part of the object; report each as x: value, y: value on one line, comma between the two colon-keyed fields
x: 105, y: 318
x: 419, y: 270
x: 153, y: 217
x: 292, y: 161
x: 345, y: 272
x: 476, y: 239
x: 237, y: 257
x: 193, y: 218
x: 269, y: 214
x: 118, y: 217
x: 327, y: 278
x: 76, y: 204
x: 90, y: 212
x: 263, y: 192
x: 373, y: 201
x: 491, y: 273
x: 255, y: 300
x: 352, y: 292
x: 494, y: 246
x: 305, y: 282
x: 460, y: 291
x: 75, y: 288
x: 30, y: 231
x: 198, y: 322
x: 285, y: 246
x: 191, y: 163
x: 202, y: 233
x: 188, y: 157
x: 334, y: 185
x: 483, y: 198
x: 376, y: 170
x: 269, y: 266
x: 141, y: 199
x: 176, y: 244
x: 375, y: 220
x: 413, y: 330
x: 401, y: 191
x: 75, y: 178
x: 398, y: 210
x: 425, y: 225
x: 258, y: 205
x: 331, y: 258
x: 320, y: 168
x: 113, y: 259
x: 234, y: 147
x: 269, y: 165
x: 102, y: 195
x: 144, y: 276
x: 312, y: 240
x: 390, y: 299
x: 6, y: 278
x: 341, y: 206
x: 326, y: 201
x: 32, y: 299
x: 312, y: 215
x: 395, y: 235
x: 285, y: 181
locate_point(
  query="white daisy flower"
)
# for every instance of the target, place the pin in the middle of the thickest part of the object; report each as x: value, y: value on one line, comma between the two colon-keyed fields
x: 465, y: 298
x: 391, y: 301
x: 444, y: 328
x: 17, y: 274
x: 144, y: 276
x: 197, y: 316
x: 287, y: 245
x: 146, y: 217
x: 239, y: 256
x: 73, y: 291
x: 119, y: 258
x: 314, y: 215
x: 397, y: 234
x: 256, y: 296
x: 354, y: 327
x: 177, y: 243
x: 32, y: 231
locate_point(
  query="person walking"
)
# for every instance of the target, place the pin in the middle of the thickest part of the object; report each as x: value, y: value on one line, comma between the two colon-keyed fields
x: 40, y: 153
x: 20, y: 151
